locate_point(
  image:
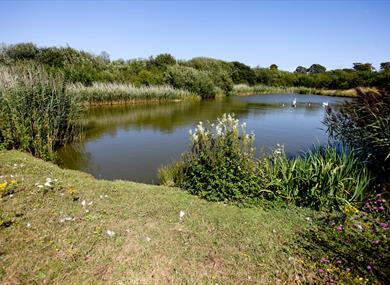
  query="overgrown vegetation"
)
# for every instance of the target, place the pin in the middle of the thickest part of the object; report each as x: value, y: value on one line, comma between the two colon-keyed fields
x: 203, y: 76
x: 117, y: 93
x: 36, y: 114
x: 220, y: 166
x: 364, y: 124
x: 243, y: 89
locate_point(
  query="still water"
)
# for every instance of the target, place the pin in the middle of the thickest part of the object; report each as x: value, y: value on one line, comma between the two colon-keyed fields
x: 132, y: 142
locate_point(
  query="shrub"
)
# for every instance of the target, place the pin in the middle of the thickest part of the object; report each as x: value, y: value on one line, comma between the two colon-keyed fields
x: 364, y: 124
x: 190, y: 79
x: 220, y: 165
x: 35, y: 113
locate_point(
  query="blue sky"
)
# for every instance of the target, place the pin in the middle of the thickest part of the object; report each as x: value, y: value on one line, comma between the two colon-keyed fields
x: 288, y: 33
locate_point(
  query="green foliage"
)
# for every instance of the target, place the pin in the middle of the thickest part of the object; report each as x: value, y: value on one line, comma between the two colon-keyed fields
x: 385, y: 66
x: 114, y: 93
x: 316, y: 69
x: 162, y: 60
x: 273, y: 67
x: 352, y: 245
x: 363, y: 67
x: 242, y: 74
x: 190, y: 79
x: 301, y: 70
x: 322, y: 178
x: 35, y: 113
x: 364, y: 124
x: 220, y: 165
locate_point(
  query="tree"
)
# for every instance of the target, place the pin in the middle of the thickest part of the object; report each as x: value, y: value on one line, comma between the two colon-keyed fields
x: 273, y: 67
x: 242, y: 73
x: 22, y: 51
x: 316, y: 69
x: 363, y: 67
x: 301, y: 69
x: 385, y: 66
x: 162, y: 60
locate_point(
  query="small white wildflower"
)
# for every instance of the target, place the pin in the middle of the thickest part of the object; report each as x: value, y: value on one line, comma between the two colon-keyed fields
x: 290, y: 258
x: 148, y: 239
x: 106, y: 196
x: 181, y: 214
x: 110, y: 233
x: 40, y: 186
x: 11, y: 195
x: 274, y: 231
x: 83, y: 203
x: 28, y: 225
x: 47, y: 184
x: 308, y: 219
x: 90, y: 203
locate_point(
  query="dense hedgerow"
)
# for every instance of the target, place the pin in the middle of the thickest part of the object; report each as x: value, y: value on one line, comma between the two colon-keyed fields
x: 36, y: 115
x: 221, y: 166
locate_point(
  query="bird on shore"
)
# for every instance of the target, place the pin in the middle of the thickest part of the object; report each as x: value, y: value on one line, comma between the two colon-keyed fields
x: 325, y: 104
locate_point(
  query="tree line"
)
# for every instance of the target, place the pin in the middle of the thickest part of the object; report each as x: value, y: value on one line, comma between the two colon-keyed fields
x: 200, y: 74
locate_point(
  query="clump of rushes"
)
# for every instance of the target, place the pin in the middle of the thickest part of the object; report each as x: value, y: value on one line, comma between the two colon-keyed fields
x: 322, y: 178
x: 115, y: 92
x: 221, y: 166
x: 36, y: 115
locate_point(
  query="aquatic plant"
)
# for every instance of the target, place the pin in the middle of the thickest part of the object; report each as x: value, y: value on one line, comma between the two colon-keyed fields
x: 321, y: 178
x: 116, y: 92
x: 36, y: 115
x: 220, y: 166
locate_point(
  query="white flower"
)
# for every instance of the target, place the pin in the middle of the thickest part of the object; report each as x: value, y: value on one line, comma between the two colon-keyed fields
x: 110, y: 233
x: 148, y: 239
x: 28, y: 225
x: 47, y: 184
x: 181, y: 214
x: 83, y: 203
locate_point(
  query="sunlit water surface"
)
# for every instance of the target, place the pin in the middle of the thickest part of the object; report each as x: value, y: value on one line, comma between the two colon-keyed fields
x: 132, y: 142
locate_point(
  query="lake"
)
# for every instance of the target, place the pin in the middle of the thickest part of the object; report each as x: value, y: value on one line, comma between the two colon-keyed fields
x: 131, y: 142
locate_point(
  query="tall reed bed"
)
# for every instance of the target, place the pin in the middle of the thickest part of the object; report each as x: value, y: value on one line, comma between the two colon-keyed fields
x: 100, y: 93
x: 36, y: 115
x: 220, y: 166
x: 243, y: 89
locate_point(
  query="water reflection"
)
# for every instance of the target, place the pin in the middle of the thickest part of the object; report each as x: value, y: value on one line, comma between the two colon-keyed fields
x: 131, y: 142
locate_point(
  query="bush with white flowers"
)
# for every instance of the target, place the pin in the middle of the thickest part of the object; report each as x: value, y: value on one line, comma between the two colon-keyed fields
x: 220, y: 164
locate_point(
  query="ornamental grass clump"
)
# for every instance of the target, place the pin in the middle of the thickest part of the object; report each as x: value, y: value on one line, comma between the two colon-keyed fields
x: 220, y: 164
x: 35, y: 113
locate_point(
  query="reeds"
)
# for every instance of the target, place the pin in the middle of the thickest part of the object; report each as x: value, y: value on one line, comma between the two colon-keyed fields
x: 36, y: 115
x: 321, y: 178
x: 243, y: 89
x: 100, y: 93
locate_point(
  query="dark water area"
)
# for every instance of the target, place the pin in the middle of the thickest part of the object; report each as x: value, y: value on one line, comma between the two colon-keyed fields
x: 131, y: 142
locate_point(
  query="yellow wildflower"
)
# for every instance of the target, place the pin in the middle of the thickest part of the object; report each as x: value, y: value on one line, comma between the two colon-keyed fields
x: 13, y: 182
x: 72, y: 191
x: 3, y: 186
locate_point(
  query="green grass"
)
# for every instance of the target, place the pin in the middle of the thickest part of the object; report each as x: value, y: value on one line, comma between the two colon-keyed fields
x: 243, y: 89
x: 213, y: 243
x: 113, y: 93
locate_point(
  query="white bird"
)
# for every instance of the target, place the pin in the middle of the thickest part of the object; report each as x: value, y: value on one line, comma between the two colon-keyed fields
x: 294, y: 104
x: 325, y: 104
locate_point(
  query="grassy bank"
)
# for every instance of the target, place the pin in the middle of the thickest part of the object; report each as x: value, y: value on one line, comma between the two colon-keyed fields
x: 47, y: 235
x: 243, y: 90
x: 114, y: 93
